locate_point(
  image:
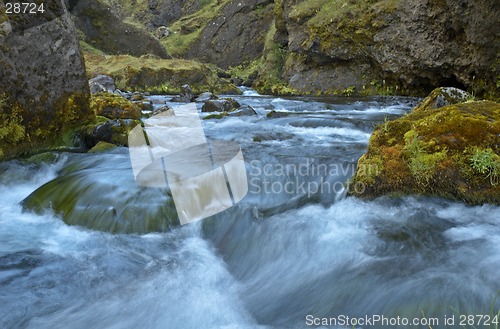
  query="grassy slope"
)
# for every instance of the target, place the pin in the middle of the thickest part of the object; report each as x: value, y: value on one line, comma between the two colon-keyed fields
x: 155, y: 75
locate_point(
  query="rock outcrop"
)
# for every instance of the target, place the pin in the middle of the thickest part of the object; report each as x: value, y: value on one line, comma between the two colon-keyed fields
x: 235, y: 35
x: 156, y: 75
x: 44, y: 89
x: 385, y: 46
x: 105, y: 30
x: 451, y: 152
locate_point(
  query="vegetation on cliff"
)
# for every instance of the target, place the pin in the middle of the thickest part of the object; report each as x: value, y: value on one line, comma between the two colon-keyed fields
x: 450, y: 152
x: 156, y: 75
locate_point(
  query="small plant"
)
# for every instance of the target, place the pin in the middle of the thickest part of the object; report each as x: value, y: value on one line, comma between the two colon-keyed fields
x: 486, y: 162
x: 349, y: 91
x: 421, y: 163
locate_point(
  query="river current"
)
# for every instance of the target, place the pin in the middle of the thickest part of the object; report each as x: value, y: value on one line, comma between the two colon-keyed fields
x: 278, y: 259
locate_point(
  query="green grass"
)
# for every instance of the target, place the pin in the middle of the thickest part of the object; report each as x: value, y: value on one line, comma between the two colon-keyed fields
x: 486, y: 162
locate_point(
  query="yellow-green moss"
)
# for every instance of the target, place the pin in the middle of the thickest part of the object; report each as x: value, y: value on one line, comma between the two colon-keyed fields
x: 114, y: 106
x: 102, y: 147
x: 270, y: 80
x: 451, y: 152
x: 28, y: 128
x: 156, y: 75
x: 11, y: 129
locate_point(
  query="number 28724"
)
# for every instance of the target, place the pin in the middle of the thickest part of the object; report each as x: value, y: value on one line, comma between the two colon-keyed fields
x: 24, y: 8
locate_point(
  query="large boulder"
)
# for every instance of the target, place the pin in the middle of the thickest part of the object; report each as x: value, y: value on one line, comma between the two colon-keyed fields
x: 452, y: 152
x: 44, y: 89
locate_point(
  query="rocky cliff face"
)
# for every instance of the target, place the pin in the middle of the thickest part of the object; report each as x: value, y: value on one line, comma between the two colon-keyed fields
x: 389, y: 46
x: 42, y: 79
x: 103, y: 27
x: 236, y: 35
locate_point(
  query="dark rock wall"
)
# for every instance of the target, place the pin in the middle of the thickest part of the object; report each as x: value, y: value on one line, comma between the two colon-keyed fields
x: 42, y: 79
x: 237, y: 35
x: 397, y: 46
x: 105, y: 30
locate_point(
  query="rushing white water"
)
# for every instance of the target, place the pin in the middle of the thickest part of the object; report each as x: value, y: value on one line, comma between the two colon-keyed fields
x: 275, y: 258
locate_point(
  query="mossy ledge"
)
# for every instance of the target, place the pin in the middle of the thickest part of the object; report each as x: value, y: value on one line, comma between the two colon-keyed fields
x: 450, y: 152
x: 159, y: 76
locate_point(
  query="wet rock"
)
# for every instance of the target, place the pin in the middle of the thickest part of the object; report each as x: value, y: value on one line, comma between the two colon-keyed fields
x: 102, y: 83
x: 185, y: 96
x: 206, y: 96
x: 275, y: 114
x: 244, y: 110
x: 102, y: 147
x: 220, y: 105
x: 161, y: 109
x: 105, y: 130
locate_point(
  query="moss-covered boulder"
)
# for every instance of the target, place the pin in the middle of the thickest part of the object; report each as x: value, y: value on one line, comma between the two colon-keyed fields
x: 114, y: 106
x: 158, y: 76
x: 451, y: 152
x: 44, y: 91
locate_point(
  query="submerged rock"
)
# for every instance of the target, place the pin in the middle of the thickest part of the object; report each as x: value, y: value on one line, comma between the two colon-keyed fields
x: 451, y: 152
x: 102, y: 147
x: 98, y: 191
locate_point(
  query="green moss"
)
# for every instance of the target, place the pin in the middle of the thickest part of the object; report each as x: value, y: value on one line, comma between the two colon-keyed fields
x: 46, y: 157
x: 114, y: 106
x: 450, y: 152
x: 216, y: 116
x: 11, y: 129
x: 179, y: 42
x: 102, y: 147
x: 350, y: 23
x: 156, y: 75
x: 270, y: 80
